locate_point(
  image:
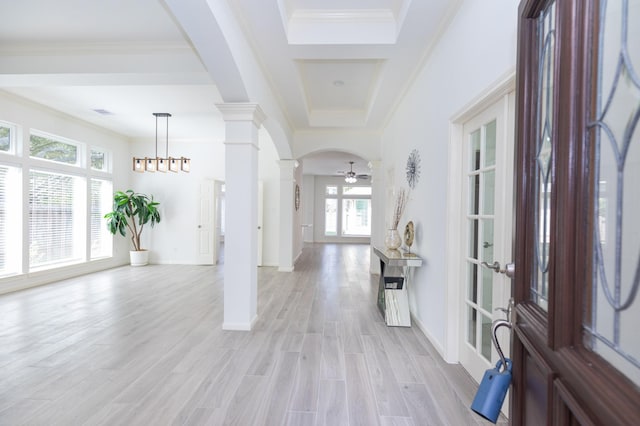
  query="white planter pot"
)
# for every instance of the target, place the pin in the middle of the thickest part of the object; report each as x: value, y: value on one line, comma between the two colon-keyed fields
x: 139, y: 258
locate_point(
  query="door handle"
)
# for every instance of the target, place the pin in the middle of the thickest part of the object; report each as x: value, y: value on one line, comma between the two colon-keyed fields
x: 509, y: 269
x: 495, y: 266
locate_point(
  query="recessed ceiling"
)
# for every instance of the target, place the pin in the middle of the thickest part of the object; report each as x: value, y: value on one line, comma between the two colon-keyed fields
x: 133, y: 58
x: 333, y: 163
x: 347, y: 40
x: 342, y: 22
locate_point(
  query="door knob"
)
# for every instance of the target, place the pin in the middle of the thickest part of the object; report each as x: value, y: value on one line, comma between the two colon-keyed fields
x: 510, y: 270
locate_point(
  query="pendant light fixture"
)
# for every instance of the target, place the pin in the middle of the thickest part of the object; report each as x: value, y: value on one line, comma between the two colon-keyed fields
x: 162, y: 164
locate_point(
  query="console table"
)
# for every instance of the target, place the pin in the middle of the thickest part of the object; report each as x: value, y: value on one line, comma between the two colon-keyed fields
x: 393, y: 297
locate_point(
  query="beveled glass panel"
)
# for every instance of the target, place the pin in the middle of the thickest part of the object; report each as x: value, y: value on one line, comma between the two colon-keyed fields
x: 544, y: 152
x: 472, y: 294
x: 490, y: 144
x: 487, y: 289
x: 474, y: 152
x: 485, y: 339
x: 473, y: 238
x: 612, y: 317
x: 487, y: 240
x: 471, y: 326
x: 331, y: 216
x: 488, y: 192
x: 474, y: 194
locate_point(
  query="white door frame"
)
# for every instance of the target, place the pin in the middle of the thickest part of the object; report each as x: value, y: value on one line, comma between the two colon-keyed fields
x: 455, y: 213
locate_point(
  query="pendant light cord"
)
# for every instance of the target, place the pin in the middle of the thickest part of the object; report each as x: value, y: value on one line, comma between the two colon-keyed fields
x: 156, y: 136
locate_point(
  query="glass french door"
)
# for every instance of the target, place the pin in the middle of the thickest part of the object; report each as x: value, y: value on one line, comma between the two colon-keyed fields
x: 488, y: 172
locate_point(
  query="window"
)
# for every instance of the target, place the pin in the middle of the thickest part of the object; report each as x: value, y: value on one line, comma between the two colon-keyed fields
x: 356, y: 190
x: 331, y: 216
x: 101, y: 199
x: 64, y: 221
x: 331, y: 190
x: 10, y: 220
x: 48, y: 148
x: 356, y: 217
x: 56, y: 219
x: 347, y: 211
x: 98, y: 160
x: 6, y: 137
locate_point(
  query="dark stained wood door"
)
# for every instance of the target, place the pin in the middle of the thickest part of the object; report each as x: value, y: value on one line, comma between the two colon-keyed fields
x: 576, y: 341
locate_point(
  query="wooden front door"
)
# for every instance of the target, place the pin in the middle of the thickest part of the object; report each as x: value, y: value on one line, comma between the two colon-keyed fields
x: 576, y: 344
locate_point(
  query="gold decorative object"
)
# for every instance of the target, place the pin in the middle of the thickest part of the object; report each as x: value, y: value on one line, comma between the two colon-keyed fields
x: 409, y: 233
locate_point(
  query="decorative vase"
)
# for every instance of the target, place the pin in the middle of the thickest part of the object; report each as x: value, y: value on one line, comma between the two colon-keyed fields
x: 139, y: 258
x: 392, y: 240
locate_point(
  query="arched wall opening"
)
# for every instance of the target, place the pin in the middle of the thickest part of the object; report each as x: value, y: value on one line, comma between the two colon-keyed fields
x: 335, y: 210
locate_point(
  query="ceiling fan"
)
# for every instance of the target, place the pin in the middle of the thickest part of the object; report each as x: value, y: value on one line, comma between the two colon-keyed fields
x: 351, y: 176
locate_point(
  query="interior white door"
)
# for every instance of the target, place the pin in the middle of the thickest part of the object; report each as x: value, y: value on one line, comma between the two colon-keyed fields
x: 260, y: 219
x: 218, y: 238
x: 206, y: 223
x: 487, y: 223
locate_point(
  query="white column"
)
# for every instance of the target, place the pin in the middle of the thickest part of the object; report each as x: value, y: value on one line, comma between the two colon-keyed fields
x: 242, y: 121
x: 287, y: 205
x: 378, y: 211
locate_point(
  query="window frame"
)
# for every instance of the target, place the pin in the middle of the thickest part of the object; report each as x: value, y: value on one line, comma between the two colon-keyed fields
x: 19, y: 157
x: 340, y: 197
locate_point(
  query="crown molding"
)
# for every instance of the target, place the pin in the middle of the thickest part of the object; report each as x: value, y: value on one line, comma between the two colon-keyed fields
x: 242, y: 111
x: 342, y: 16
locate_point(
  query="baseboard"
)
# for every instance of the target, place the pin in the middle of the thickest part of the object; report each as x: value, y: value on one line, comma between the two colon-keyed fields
x: 240, y: 326
x: 286, y: 269
x: 428, y: 335
x: 35, y: 279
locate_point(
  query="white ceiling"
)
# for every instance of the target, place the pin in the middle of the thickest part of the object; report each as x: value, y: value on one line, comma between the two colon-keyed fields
x: 339, y: 64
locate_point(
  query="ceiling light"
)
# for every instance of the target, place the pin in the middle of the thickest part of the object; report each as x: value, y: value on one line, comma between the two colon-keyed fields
x: 350, y: 176
x: 161, y: 164
x: 102, y: 111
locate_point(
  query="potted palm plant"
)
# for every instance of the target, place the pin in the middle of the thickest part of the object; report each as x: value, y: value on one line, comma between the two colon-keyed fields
x: 133, y: 211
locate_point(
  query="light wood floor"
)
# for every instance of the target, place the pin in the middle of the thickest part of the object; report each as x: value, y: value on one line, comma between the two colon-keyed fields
x: 144, y: 346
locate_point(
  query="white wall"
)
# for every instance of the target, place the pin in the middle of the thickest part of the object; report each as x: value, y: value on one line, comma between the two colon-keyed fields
x: 28, y: 115
x: 297, y: 217
x: 174, y: 239
x: 475, y: 50
x: 269, y: 174
x: 307, y: 201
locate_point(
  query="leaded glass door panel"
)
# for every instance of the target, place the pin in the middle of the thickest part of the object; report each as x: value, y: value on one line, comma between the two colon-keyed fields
x: 576, y: 351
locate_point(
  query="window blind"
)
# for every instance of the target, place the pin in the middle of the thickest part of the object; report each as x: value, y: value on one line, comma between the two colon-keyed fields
x: 52, y: 234
x: 101, y: 240
x: 3, y: 219
x: 10, y: 220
